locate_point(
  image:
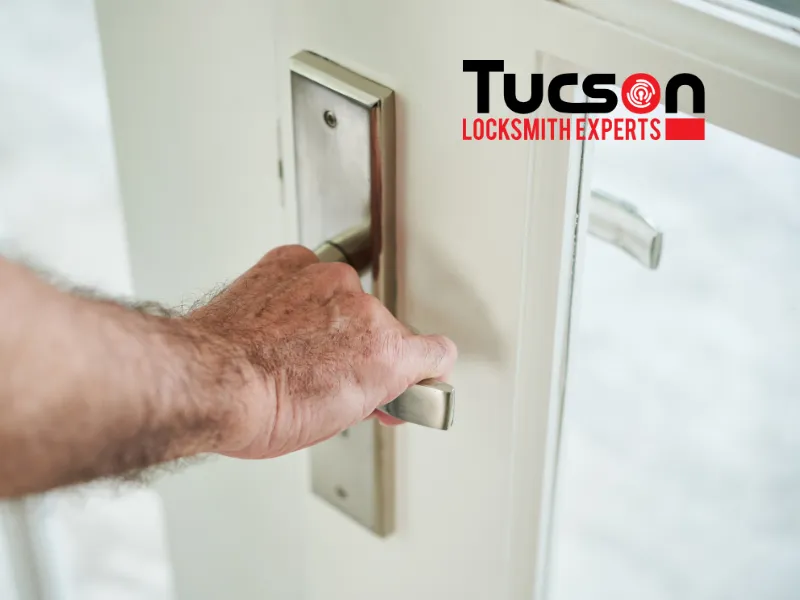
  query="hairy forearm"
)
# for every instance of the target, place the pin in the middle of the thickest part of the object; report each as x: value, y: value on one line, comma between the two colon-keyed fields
x: 288, y: 355
x: 89, y: 388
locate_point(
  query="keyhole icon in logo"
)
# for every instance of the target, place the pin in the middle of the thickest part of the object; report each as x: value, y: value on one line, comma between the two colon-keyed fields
x: 641, y: 93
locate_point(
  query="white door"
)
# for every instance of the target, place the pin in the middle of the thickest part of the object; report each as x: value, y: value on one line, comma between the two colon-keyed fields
x: 491, y: 239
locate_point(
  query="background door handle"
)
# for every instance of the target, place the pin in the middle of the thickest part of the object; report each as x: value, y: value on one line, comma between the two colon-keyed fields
x: 430, y: 403
x: 620, y: 223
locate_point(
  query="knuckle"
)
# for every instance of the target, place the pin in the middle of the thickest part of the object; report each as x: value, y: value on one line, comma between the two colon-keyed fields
x: 437, y: 351
x: 369, y: 305
x: 294, y: 253
x: 365, y: 309
x: 446, y: 353
x: 340, y: 271
x: 332, y: 274
x: 449, y: 348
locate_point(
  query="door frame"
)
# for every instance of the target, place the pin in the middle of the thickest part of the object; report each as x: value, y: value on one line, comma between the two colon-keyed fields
x: 736, y: 99
x: 557, y: 190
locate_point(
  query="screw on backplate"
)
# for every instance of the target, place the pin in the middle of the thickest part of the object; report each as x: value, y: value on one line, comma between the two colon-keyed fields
x: 330, y: 118
x: 345, y: 433
x: 341, y: 492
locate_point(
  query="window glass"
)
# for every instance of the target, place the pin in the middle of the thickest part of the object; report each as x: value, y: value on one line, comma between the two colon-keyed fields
x: 679, y: 475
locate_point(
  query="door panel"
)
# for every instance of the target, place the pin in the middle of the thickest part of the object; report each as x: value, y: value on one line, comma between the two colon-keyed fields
x: 463, y: 223
x: 485, y: 246
x: 679, y: 475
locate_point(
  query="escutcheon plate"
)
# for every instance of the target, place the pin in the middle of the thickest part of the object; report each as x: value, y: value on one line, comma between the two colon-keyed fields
x: 344, y: 162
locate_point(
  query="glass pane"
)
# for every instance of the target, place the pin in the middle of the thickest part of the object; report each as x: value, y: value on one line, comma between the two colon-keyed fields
x: 779, y: 12
x: 679, y: 475
x: 791, y: 7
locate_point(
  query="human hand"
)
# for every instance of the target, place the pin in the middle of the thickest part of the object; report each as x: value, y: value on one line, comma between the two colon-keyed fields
x: 319, y: 354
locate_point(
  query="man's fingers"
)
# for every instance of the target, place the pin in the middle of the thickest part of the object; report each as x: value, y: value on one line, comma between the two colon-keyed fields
x: 385, y: 419
x: 430, y: 356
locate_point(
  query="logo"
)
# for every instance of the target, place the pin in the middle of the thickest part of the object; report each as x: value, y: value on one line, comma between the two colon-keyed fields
x: 640, y: 94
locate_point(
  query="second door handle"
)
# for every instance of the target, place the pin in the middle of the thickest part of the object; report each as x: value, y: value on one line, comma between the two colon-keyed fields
x: 620, y: 223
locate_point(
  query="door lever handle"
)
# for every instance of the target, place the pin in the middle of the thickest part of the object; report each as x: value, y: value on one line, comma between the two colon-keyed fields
x: 351, y: 246
x: 620, y: 223
x: 429, y: 403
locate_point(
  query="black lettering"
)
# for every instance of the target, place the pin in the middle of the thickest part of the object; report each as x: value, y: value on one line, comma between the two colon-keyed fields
x: 510, y: 94
x: 698, y: 93
x: 554, y: 91
x: 609, y: 97
x: 483, y: 68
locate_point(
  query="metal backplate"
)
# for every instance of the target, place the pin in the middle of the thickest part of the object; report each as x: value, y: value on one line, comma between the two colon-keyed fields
x: 344, y: 161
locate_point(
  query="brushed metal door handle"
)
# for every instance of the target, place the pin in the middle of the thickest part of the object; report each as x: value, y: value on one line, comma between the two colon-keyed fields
x: 429, y: 403
x: 620, y: 223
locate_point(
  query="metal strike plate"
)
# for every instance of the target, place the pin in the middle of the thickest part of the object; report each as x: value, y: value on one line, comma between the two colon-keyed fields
x: 344, y: 166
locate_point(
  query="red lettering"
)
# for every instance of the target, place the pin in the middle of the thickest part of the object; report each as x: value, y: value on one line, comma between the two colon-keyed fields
x: 618, y: 129
x: 593, y: 135
x: 630, y: 129
x: 503, y: 132
x: 655, y: 125
x: 515, y: 126
x: 490, y: 133
x: 606, y: 127
x: 531, y: 129
x: 643, y: 122
x: 478, y: 129
x: 580, y: 125
x: 464, y: 135
x: 563, y: 129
